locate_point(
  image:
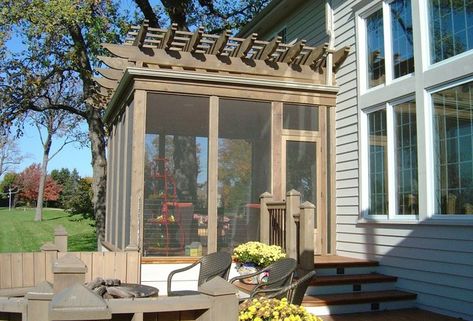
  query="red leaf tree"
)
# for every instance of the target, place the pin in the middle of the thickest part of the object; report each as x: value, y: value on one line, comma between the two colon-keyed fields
x: 28, y: 181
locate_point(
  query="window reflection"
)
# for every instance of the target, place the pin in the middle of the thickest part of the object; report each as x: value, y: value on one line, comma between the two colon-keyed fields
x: 375, y: 46
x: 402, y: 43
x: 453, y: 138
x: 451, y: 25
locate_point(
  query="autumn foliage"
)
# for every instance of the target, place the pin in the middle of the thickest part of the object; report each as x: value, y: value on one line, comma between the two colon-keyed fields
x: 28, y: 182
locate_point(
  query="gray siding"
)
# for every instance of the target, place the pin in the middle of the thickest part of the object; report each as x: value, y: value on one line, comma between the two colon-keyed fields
x: 434, y: 261
x: 307, y: 22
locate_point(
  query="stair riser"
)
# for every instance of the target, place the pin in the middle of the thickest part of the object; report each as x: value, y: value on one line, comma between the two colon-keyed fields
x: 347, y: 271
x: 356, y: 308
x: 347, y: 288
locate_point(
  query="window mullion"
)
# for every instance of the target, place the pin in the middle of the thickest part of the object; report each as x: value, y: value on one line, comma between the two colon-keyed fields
x: 391, y: 164
x: 388, y: 63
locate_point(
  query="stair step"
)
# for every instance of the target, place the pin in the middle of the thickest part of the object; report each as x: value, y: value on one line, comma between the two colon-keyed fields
x: 357, y: 298
x: 351, y: 279
x: 335, y: 261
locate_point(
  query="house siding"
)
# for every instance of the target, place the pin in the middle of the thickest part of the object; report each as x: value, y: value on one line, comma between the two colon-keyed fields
x: 434, y: 261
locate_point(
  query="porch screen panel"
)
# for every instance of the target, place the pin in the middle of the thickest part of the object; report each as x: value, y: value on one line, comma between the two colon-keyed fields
x: 378, y: 172
x: 301, y: 169
x: 244, y: 156
x: 176, y: 158
x: 128, y: 167
x: 453, y: 149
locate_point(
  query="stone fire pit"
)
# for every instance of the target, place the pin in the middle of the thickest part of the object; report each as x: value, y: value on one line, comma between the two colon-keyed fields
x: 113, y: 288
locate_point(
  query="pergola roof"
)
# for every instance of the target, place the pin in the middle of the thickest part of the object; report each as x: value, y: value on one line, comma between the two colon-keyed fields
x: 184, y: 51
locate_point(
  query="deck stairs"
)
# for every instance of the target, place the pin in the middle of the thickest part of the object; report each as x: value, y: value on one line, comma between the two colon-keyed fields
x: 347, y: 285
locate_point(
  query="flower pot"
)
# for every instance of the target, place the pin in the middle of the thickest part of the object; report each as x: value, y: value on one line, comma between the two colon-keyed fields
x: 248, y: 268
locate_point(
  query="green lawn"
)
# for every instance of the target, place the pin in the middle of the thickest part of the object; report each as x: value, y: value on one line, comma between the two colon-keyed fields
x: 20, y: 233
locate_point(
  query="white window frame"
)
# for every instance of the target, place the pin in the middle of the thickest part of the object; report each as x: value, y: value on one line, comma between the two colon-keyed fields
x: 431, y: 178
x: 391, y: 163
x: 362, y: 44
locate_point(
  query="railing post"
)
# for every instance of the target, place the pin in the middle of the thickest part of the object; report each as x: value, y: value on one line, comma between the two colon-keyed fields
x: 264, y: 217
x: 224, y: 300
x: 68, y: 271
x: 306, y: 241
x: 60, y: 238
x: 38, y: 302
x: 293, y: 201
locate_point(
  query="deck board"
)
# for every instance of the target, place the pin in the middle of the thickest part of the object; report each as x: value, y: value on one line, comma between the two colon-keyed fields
x: 398, y: 315
x: 334, y: 261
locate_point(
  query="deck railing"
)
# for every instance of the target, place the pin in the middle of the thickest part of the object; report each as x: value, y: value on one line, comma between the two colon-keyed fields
x: 290, y: 225
x: 23, y: 270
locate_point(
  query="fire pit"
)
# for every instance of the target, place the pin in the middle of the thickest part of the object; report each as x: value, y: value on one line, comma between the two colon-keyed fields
x: 113, y: 288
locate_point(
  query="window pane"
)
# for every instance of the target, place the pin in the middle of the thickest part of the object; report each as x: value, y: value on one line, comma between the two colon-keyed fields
x: 406, y: 154
x: 244, y: 167
x: 301, y: 117
x: 453, y: 142
x: 300, y: 169
x: 175, y: 199
x: 451, y: 25
x: 401, y: 27
x: 375, y: 50
x: 378, y: 175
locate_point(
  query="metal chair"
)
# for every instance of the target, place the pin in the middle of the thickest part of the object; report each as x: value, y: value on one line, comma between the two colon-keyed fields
x: 211, y: 265
x: 295, y: 291
x: 280, y: 275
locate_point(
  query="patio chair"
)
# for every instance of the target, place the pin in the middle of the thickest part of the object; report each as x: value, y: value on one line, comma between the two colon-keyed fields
x: 211, y: 265
x: 293, y: 292
x: 280, y: 275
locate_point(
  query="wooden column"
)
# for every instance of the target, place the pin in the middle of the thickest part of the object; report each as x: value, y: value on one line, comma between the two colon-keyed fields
x: 60, y: 238
x: 306, y: 236
x: 68, y: 271
x: 276, y: 143
x: 264, y: 217
x: 213, y: 175
x: 293, y: 201
x: 137, y: 172
x: 38, y: 301
x: 224, y: 301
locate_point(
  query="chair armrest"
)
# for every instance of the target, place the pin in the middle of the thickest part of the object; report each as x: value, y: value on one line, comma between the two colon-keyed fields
x: 170, y: 276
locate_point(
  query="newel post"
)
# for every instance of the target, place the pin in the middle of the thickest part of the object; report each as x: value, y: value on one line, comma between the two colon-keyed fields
x: 60, y: 238
x: 264, y: 217
x: 293, y: 201
x: 306, y: 241
x: 68, y: 270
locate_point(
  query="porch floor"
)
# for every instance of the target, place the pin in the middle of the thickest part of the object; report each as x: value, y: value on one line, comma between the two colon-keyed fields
x: 395, y: 315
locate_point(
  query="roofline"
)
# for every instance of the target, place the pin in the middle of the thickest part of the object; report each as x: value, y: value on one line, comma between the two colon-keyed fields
x: 132, y: 72
x: 266, y: 16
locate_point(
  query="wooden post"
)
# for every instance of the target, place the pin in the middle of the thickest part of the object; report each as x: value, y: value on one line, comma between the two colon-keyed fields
x: 293, y: 201
x: 306, y: 241
x: 224, y: 301
x: 68, y: 271
x: 38, y: 301
x: 264, y: 217
x: 78, y: 303
x: 60, y: 238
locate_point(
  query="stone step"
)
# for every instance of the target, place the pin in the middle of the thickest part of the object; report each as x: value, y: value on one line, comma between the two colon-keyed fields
x: 357, y: 298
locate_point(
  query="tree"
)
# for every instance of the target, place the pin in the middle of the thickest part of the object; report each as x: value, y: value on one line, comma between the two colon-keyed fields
x: 28, y: 182
x: 81, y: 201
x: 10, y: 154
x: 56, y: 123
x: 69, y: 181
x: 61, y: 42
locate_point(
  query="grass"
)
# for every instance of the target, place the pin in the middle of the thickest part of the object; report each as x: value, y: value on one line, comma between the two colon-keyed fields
x: 20, y: 233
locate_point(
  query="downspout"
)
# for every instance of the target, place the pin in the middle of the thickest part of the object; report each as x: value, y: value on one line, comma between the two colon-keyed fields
x: 329, y: 29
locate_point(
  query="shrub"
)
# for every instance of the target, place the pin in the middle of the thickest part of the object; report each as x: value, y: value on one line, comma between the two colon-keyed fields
x: 263, y: 309
x: 258, y: 253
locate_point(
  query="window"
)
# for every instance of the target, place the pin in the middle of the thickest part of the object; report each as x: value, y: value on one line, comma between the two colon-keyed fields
x: 377, y: 163
x: 300, y: 117
x: 389, y: 51
x: 451, y: 27
x: 453, y: 149
x: 399, y: 170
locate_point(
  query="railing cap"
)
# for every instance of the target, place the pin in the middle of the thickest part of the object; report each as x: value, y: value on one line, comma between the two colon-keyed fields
x: 217, y: 287
x: 69, y: 264
x: 293, y: 192
x: 307, y: 204
x: 266, y: 195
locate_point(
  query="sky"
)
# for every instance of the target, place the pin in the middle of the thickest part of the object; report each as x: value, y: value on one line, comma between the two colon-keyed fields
x: 72, y: 156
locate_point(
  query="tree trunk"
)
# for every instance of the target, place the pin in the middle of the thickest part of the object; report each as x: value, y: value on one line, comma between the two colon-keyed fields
x: 99, y: 166
x: 42, y: 180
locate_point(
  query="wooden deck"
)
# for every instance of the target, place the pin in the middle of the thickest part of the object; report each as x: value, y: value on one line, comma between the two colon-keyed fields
x: 329, y: 261
x: 398, y: 315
